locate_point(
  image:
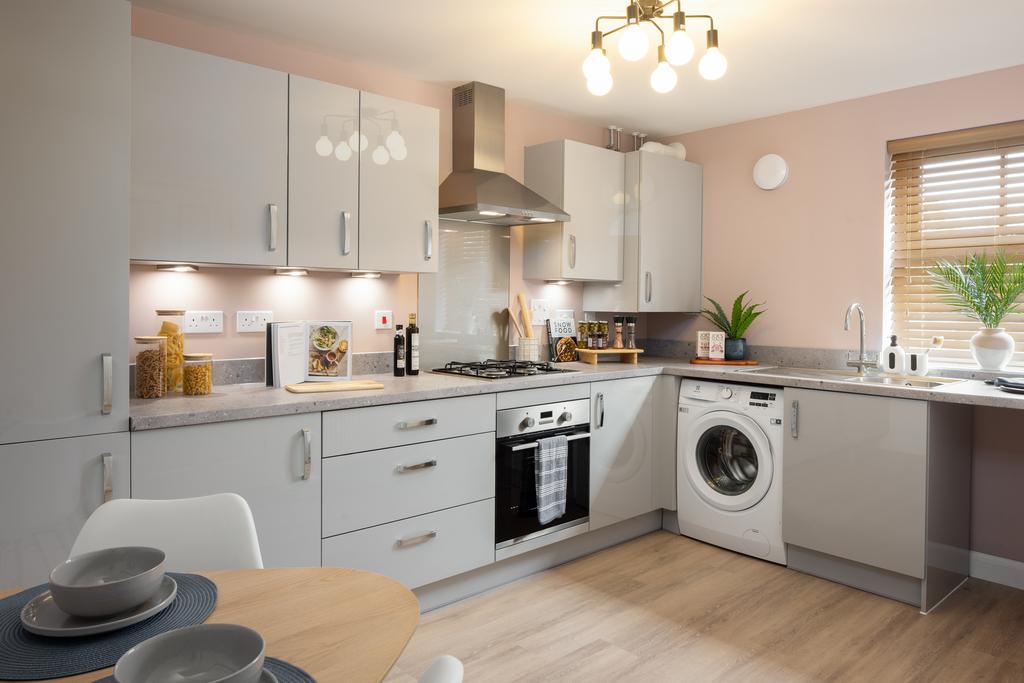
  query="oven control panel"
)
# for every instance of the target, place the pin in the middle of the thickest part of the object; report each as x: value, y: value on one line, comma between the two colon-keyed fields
x: 542, y: 418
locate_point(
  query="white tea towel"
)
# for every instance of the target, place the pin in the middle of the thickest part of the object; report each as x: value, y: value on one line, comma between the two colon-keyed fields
x: 551, y: 467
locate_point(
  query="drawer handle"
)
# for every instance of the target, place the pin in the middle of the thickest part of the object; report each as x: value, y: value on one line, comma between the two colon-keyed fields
x: 307, y: 460
x: 417, y: 423
x: 415, y: 540
x: 417, y: 466
x: 108, y: 477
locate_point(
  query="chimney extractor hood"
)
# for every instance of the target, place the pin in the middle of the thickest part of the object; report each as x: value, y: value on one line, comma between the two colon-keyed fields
x: 478, y: 189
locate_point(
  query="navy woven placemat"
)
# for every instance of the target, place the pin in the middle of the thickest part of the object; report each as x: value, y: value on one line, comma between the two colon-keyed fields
x: 282, y: 670
x: 25, y: 656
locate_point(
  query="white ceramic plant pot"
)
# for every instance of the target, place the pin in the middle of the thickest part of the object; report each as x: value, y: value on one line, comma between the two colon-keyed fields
x: 992, y: 348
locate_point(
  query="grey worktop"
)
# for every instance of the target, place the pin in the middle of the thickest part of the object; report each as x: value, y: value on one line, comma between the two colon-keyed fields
x: 245, y: 401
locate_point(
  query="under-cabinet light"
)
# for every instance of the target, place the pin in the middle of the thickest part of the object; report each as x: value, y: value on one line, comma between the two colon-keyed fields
x: 177, y: 268
x: 292, y: 272
x: 366, y: 274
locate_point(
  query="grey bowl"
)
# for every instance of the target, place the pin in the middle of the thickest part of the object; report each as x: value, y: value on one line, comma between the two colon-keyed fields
x: 207, y: 653
x: 107, y: 582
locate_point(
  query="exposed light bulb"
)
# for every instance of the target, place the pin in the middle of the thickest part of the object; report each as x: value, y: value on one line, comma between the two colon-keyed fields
x: 596, y: 63
x: 342, y: 152
x: 713, y: 64
x: 633, y: 44
x: 599, y: 85
x: 324, y: 146
x: 381, y: 155
x: 663, y: 78
x: 679, y: 48
x: 358, y: 142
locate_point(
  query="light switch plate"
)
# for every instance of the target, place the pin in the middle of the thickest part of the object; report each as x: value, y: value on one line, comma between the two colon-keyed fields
x: 204, y: 322
x: 383, y: 320
x: 253, y: 321
x: 540, y: 310
x: 565, y: 314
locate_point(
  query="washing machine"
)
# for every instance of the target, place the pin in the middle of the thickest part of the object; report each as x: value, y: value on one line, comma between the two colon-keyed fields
x: 729, y: 468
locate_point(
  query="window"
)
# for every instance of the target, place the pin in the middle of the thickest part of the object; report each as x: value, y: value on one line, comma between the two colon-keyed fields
x: 950, y: 195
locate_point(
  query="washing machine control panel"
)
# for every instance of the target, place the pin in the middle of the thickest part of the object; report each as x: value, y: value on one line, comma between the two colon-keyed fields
x: 742, y: 397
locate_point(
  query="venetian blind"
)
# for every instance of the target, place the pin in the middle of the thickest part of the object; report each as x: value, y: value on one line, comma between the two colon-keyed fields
x: 950, y: 195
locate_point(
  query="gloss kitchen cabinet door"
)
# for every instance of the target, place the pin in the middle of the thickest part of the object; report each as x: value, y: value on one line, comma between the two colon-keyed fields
x: 209, y: 158
x: 65, y: 140
x: 47, y: 491
x: 588, y: 182
x: 323, y: 175
x: 274, y: 463
x: 621, y: 450
x: 398, y: 229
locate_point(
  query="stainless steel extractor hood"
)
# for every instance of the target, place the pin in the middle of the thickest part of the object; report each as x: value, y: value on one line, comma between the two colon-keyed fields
x: 478, y: 189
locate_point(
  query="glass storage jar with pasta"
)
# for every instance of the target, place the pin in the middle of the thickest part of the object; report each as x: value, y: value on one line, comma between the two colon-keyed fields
x: 198, y: 374
x: 172, y: 327
x: 150, y: 363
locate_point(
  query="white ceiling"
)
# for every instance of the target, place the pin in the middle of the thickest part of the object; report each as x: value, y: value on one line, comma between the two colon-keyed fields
x: 783, y: 54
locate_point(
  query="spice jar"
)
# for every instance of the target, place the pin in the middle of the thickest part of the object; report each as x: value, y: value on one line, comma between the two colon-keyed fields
x: 617, y: 343
x: 629, y: 339
x: 602, y: 334
x: 172, y: 326
x: 150, y: 361
x: 197, y: 374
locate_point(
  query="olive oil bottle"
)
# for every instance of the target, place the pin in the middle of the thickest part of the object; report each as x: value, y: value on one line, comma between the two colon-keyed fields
x: 412, y: 347
x: 398, y: 360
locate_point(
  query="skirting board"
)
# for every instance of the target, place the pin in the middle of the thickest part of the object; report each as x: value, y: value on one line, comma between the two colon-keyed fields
x: 997, y: 569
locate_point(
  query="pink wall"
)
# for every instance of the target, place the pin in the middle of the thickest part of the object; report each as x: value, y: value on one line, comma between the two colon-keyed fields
x: 524, y: 125
x: 815, y: 245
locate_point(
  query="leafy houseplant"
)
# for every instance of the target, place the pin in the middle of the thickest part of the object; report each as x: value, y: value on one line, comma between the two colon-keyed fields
x: 985, y: 289
x: 743, y: 314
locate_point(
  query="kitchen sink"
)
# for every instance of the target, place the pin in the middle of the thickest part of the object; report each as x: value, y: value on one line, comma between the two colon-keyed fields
x: 897, y: 381
x: 804, y: 373
x: 844, y: 376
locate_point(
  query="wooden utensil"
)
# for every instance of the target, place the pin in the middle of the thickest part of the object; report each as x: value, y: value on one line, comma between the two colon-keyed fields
x: 515, y: 322
x: 342, y: 385
x: 524, y: 311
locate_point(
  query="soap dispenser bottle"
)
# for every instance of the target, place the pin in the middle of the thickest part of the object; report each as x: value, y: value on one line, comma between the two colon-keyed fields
x: 893, y: 359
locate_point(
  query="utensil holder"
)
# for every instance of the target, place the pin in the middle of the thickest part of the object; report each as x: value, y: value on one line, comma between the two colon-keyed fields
x: 528, y: 349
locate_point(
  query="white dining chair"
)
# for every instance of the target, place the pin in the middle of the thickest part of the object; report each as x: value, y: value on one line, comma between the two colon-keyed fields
x: 197, y: 534
x: 445, y: 669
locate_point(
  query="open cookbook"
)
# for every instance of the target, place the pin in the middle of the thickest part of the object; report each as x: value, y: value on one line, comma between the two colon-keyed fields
x: 308, y: 351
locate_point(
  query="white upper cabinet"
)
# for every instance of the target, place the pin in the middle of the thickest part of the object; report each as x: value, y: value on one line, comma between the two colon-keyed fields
x: 398, y: 186
x: 588, y: 183
x: 209, y: 158
x: 323, y: 175
x: 662, y: 246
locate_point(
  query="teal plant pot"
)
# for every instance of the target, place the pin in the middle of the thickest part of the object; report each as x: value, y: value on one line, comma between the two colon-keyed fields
x: 735, y: 349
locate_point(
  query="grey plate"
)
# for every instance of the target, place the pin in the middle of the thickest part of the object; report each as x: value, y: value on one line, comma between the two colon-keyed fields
x: 267, y: 677
x: 42, y: 616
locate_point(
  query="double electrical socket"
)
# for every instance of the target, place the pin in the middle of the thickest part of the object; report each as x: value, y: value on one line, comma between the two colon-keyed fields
x: 253, y: 321
x: 204, y: 322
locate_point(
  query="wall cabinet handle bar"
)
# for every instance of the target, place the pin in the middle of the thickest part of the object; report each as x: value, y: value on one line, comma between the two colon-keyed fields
x: 108, y: 384
x: 572, y: 251
x: 418, y: 466
x: 534, y: 444
x: 417, y: 423
x: 415, y: 540
x: 346, y: 235
x: 429, y: 250
x: 273, y: 226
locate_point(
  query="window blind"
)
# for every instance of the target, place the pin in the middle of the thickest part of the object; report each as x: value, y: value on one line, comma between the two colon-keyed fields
x: 950, y: 195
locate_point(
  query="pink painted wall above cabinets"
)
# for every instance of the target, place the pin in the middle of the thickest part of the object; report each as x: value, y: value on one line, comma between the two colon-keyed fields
x: 817, y: 244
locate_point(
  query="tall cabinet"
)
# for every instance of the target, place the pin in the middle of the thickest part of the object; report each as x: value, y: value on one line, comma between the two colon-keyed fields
x: 662, y: 246
x: 63, y: 261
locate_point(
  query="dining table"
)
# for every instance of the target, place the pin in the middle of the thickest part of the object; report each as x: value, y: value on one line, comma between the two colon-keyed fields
x: 337, y: 624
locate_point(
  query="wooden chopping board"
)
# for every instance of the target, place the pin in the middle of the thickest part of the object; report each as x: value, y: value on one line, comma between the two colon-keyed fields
x: 343, y: 385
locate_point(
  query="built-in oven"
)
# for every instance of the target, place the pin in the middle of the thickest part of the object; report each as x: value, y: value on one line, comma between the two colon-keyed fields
x: 516, y: 524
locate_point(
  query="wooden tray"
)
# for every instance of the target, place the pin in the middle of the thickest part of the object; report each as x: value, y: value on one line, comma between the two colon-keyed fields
x: 625, y: 355
x: 704, y: 361
x: 342, y: 385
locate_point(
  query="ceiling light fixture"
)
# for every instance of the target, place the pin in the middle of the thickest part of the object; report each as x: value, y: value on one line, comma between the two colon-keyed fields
x: 292, y: 272
x: 366, y: 274
x: 675, y: 50
x: 177, y: 268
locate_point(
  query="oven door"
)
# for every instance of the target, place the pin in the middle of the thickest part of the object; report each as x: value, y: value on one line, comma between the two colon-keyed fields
x: 515, y: 496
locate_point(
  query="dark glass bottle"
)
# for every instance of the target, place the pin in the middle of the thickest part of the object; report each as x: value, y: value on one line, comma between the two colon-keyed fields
x: 412, y: 347
x: 398, y: 360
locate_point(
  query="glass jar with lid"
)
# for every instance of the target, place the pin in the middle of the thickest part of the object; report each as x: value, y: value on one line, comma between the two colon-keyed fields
x: 172, y: 328
x: 150, y: 363
x: 197, y: 374
x: 602, y: 334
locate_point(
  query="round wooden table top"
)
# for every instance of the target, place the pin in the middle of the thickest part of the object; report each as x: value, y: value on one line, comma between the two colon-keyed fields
x: 337, y: 624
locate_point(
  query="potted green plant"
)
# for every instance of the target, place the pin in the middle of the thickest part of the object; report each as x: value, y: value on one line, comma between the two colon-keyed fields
x: 743, y: 314
x: 984, y: 289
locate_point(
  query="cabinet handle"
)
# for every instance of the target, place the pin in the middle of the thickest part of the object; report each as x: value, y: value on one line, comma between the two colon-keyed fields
x: 600, y: 410
x: 307, y: 460
x: 794, y: 424
x: 346, y: 244
x: 108, y: 477
x: 416, y: 540
x: 648, y: 284
x: 273, y: 226
x: 572, y: 251
x: 108, y: 384
x: 429, y: 231
x: 417, y: 423
x: 418, y: 466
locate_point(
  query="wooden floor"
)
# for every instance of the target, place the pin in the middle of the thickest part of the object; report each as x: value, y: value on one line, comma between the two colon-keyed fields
x: 667, y: 608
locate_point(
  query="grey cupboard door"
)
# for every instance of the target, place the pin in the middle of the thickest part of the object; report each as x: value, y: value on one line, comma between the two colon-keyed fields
x: 621, y: 450
x: 209, y: 158
x: 594, y: 197
x: 261, y: 460
x: 47, y: 491
x: 323, y: 174
x: 64, y: 165
x: 854, y: 477
x: 398, y: 228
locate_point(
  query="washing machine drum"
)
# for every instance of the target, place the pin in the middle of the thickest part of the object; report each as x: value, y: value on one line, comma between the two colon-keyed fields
x: 728, y: 460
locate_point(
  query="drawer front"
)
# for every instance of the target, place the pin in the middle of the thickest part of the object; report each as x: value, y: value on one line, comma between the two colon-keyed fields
x: 533, y: 397
x: 422, y: 549
x: 374, y: 487
x: 365, y: 429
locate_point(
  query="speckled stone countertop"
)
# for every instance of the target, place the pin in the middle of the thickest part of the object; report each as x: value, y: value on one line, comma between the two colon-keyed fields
x: 245, y: 401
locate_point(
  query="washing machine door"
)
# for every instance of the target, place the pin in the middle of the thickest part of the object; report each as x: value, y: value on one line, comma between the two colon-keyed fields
x: 728, y: 460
